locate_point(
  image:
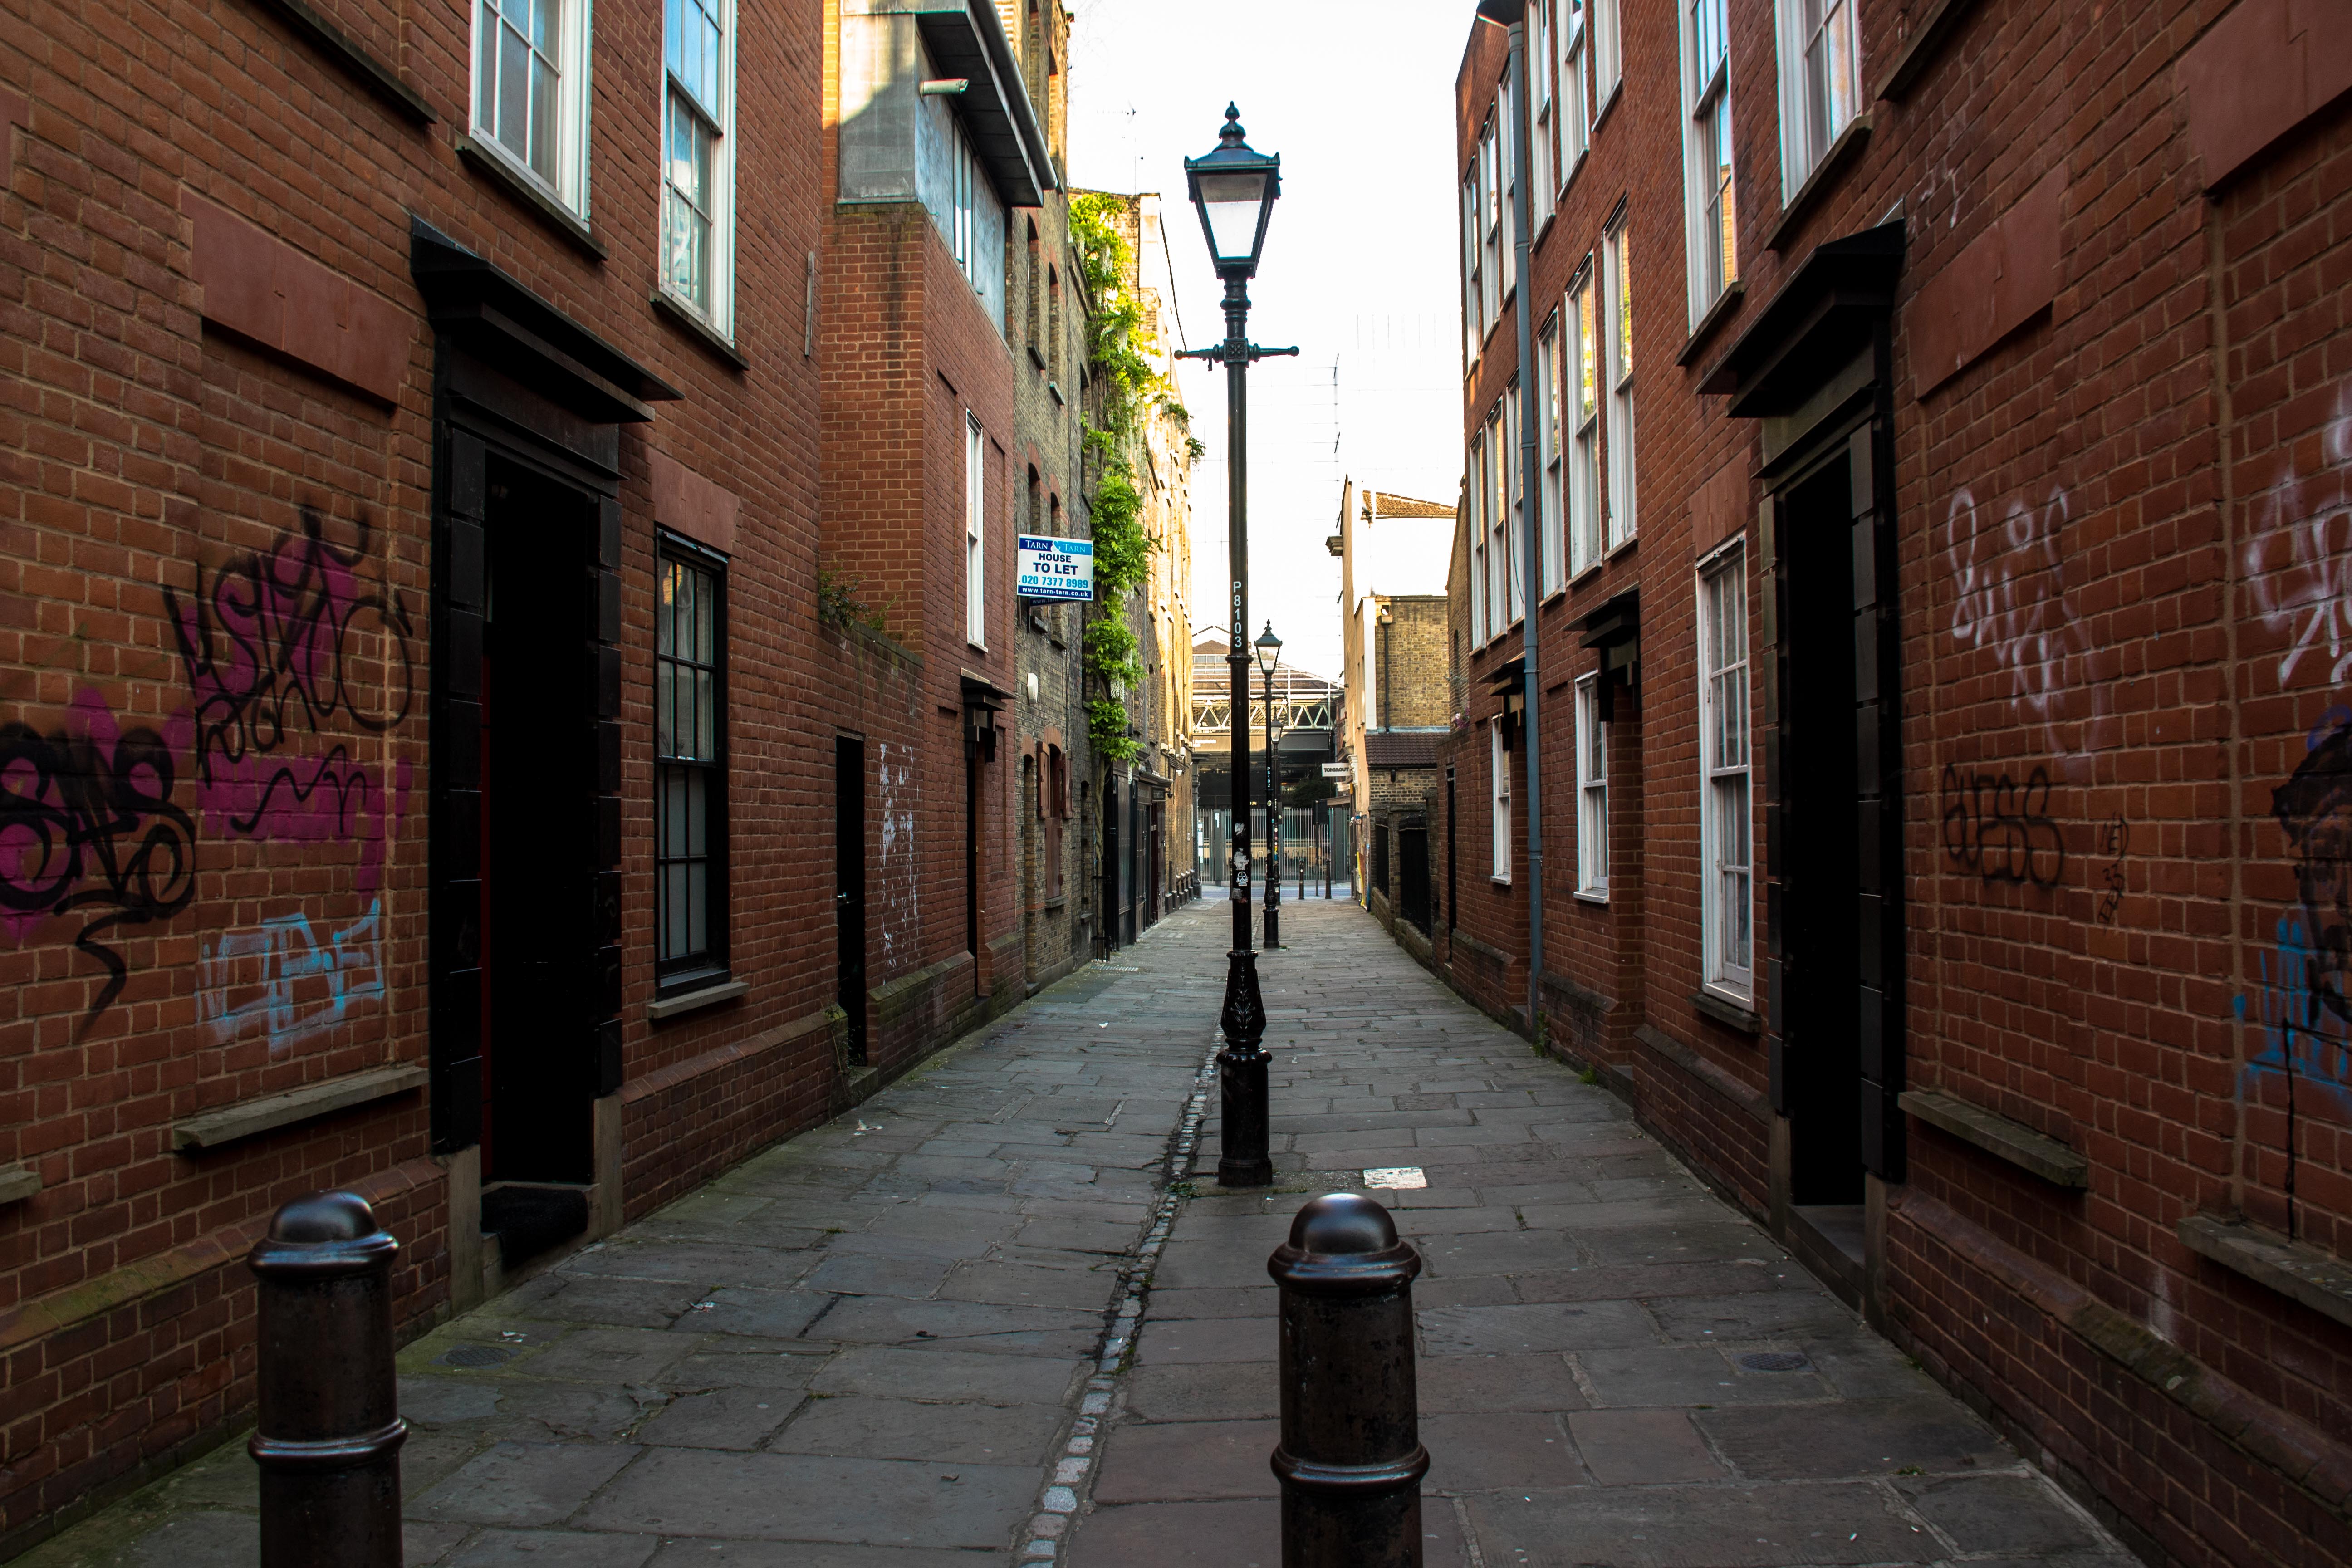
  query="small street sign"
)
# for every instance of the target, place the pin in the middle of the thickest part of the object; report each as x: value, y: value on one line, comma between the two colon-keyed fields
x: 1338, y: 770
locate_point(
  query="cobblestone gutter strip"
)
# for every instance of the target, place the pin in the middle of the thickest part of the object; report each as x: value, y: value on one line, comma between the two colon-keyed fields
x: 1073, y: 1480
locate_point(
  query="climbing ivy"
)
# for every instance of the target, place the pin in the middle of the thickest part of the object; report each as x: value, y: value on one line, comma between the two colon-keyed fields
x: 1119, y: 342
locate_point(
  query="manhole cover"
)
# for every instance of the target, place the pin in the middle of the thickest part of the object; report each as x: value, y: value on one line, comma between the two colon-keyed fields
x: 1772, y: 1361
x: 473, y: 1355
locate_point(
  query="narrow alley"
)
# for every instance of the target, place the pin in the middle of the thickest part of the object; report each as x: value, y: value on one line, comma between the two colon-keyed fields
x: 909, y: 1339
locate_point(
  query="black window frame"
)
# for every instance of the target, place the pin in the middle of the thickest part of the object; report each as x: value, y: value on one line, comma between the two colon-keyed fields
x: 709, y: 965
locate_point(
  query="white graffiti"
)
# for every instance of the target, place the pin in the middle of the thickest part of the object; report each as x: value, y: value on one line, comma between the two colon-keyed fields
x: 276, y: 979
x: 2299, y: 561
x: 2011, y: 599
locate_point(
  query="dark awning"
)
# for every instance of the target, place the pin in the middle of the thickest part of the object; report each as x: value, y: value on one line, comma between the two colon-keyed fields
x: 1821, y: 318
x: 965, y: 39
x: 516, y: 330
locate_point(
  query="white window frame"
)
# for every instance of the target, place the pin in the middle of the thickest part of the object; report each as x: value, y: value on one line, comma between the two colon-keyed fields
x: 1478, y: 520
x: 1575, y: 100
x: 1617, y: 374
x: 1727, y: 813
x: 1710, y: 208
x: 1514, y: 434
x: 718, y: 307
x: 1591, y: 793
x: 1490, y: 208
x: 1547, y: 452
x: 1500, y: 570
x: 975, y: 533
x: 1474, y: 312
x: 1507, y: 181
x: 568, y: 185
x: 1500, y: 800
x: 1608, y: 52
x: 1821, y: 83
x: 1543, y: 154
x: 1587, y: 538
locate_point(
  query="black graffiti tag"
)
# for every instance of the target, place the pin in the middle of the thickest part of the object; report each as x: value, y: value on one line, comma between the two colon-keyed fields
x: 283, y: 640
x: 90, y: 825
x: 2001, y: 829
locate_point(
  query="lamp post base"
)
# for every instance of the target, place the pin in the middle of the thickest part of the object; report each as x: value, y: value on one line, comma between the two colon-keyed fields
x: 1241, y: 1157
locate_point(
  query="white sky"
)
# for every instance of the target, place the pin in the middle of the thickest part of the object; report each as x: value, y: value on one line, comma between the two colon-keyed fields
x: 1359, y: 270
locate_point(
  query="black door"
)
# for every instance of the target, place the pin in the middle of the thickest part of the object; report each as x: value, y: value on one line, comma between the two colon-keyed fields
x: 541, y: 984
x: 1114, y: 864
x: 849, y: 886
x: 1817, y: 1058
x: 1413, y: 877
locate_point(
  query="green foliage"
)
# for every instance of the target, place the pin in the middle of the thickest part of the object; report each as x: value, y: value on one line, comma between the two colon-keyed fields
x: 837, y: 604
x: 1117, y: 340
x: 1107, y: 727
x: 1110, y: 651
x: 1122, y: 550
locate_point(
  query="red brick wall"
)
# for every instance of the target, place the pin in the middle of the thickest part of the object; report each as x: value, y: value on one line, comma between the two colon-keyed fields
x: 144, y: 452
x: 2124, y: 558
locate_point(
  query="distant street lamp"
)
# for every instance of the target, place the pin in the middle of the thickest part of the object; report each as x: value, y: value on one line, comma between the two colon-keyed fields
x: 1269, y: 652
x: 1235, y: 189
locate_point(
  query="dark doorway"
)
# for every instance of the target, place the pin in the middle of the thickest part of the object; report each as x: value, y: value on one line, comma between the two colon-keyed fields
x: 537, y: 827
x: 1819, y: 1064
x: 1114, y: 863
x: 1413, y: 877
x: 849, y: 888
x: 1151, y: 863
x: 972, y: 856
x: 1452, y: 866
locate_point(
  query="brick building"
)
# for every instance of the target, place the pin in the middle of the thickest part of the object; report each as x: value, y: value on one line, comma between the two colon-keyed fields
x: 507, y: 629
x: 1393, y: 633
x: 1938, y: 689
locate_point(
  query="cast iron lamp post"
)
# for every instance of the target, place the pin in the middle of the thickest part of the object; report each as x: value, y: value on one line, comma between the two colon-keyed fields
x: 1269, y: 652
x: 1235, y: 189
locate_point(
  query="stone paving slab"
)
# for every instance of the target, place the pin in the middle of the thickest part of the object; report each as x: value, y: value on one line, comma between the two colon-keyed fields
x: 1000, y: 1315
x: 1583, y: 1313
x: 867, y: 1347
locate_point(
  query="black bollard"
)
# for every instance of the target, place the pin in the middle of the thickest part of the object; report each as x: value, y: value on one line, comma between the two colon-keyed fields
x: 1350, y: 1459
x: 329, y: 1428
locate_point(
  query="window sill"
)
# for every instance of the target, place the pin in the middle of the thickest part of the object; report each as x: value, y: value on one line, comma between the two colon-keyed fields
x: 1574, y: 169
x: 252, y: 1118
x: 1733, y: 1012
x: 1053, y: 904
x: 2319, y: 1280
x: 1847, y: 148
x: 1919, y: 51
x: 2034, y: 1153
x: 480, y: 157
x: 1725, y: 306
x: 1590, y: 570
x: 1616, y: 91
x: 1586, y: 896
x: 1036, y: 358
x: 1623, y: 547
x: 17, y: 1184
x: 363, y: 68
x: 662, y: 1008
x: 682, y: 315
x: 1498, y: 881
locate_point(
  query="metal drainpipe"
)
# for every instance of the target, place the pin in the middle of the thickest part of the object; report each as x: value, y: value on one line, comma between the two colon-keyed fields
x: 1531, y: 510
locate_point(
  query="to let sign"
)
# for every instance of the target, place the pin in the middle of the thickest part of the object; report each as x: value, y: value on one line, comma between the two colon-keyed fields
x: 1055, y: 569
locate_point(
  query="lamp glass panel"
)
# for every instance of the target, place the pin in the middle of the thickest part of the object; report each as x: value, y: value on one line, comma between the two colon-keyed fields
x: 1231, y: 204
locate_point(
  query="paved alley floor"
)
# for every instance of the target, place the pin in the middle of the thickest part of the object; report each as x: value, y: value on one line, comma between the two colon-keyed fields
x: 955, y: 1329
x: 1616, y: 1368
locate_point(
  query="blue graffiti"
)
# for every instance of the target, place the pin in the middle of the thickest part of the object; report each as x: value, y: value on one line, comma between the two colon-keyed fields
x: 2303, y: 1037
x: 277, y: 980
